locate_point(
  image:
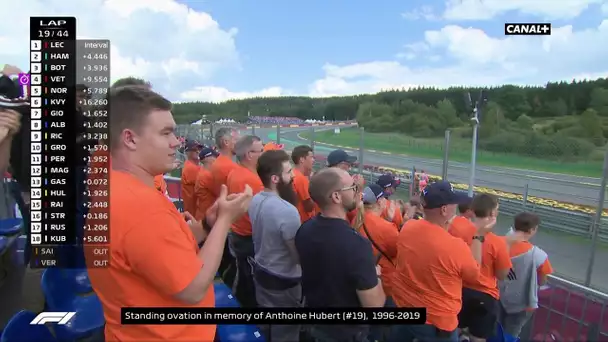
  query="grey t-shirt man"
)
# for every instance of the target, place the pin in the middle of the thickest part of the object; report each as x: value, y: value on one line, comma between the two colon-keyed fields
x: 274, y: 221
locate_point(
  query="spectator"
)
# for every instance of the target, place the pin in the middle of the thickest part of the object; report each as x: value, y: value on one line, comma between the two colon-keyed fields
x: 202, y: 189
x: 480, y: 296
x: 303, y: 158
x: 10, y: 123
x: 341, y: 160
x: 248, y: 149
x: 225, y: 139
x: 392, y: 211
x: 338, y: 266
x: 383, y: 236
x: 531, y: 267
x: 131, y: 81
x: 271, y: 146
x: 275, y: 222
x: 462, y: 225
x: 432, y: 264
x: 168, y: 269
x: 189, y: 174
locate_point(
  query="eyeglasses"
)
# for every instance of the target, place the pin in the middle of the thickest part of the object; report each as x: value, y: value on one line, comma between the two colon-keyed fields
x: 354, y: 187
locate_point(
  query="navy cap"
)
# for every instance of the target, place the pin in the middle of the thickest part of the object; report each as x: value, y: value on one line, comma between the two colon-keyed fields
x: 438, y: 194
x: 372, y: 193
x: 387, y: 180
x: 207, y: 152
x: 339, y: 156
x: 192, y: 145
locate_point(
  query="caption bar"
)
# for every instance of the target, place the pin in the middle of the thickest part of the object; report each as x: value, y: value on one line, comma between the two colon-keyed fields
x: 273, y: 316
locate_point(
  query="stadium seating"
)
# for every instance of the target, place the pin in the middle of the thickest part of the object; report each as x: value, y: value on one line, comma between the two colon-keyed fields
x: 10, y: 226
x: 238, y: 332
x: 3, y: 244
x: 501, y: 336
x: 19, y: 329
x: 60, y: 293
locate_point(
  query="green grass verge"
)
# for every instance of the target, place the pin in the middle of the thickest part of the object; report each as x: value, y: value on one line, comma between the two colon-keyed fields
x: 460, y: 151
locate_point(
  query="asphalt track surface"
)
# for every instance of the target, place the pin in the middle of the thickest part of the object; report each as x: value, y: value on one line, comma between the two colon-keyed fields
x: 560, y: 187
x: 569, y: 255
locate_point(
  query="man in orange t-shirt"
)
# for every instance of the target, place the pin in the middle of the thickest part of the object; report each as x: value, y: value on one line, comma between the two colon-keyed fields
x: 462, y: 225
x: 248, y: 150
x: 189, y: 174
x: 389, y: 184
x: 225, y: 140
x: 431, y: 266
x: 480, y: 296
x: 202, y: 189
x: 303, y: 159
x: 154, y: 259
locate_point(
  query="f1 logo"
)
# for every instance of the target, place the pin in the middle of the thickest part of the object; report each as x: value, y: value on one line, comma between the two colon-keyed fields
x: 53, y: 317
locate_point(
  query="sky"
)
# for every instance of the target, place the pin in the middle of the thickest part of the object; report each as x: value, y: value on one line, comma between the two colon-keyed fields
x: 215, y: 50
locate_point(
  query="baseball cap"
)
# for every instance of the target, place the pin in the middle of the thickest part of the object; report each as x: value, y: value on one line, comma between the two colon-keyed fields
x: 207, y: 152
x: 388, y: 180
x: 438, y: 194
x: 339, y: 156
x: 372, y: 193
x: 192, y: 145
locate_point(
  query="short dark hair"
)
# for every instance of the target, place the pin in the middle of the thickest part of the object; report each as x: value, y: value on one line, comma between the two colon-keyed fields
x: 463, y: 207
x: 525, y: 222
x: 270, y: 164
x: 300, y: 152
x: 131, y: 81
x: 322, y: 184
x: 483, y: 204
x: 130, y: 107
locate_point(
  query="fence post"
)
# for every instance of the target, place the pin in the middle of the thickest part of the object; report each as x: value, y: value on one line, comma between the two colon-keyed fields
x: 211, y: 131
x: 253, y: 130
x: 312, y: 137
x: 413, y: 181
x: 525, y: 194
x: 597, y: 220
x: 446, y: 155
x: 361, y: 148
x: 278, y: 134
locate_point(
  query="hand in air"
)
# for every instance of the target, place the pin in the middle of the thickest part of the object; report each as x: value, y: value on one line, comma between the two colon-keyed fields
x: 485, y: 225
x: 230, y: 206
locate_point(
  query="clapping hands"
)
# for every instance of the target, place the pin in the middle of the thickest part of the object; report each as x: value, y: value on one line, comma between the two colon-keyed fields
x: 229, y: 207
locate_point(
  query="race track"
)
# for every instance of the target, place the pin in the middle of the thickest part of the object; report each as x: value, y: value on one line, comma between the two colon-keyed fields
x: 568, y: 254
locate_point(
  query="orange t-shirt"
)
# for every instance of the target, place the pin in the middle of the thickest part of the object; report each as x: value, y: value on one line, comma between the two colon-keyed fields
x: 160, y: 184
x: 463, y: 228
x: 397, y: 218
x: 300, y: 184
x: 522, y: 247
x: 220, y: 170
x: 385, y: 235
x: 189, y: 174
x: 153, y: 257
x: 494, y: 258
x: 238, y: 178
x: 431, y: 266
x: 99, y: 164
x: 202, y: 193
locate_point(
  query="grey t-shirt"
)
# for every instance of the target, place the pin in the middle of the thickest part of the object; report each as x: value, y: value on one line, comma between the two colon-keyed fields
x: 273, y: 222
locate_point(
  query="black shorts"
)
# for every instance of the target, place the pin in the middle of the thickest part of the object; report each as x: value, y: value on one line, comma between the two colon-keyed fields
x: 479, y: 313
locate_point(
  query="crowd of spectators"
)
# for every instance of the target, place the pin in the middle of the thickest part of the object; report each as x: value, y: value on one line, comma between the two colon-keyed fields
x: 274, y: 120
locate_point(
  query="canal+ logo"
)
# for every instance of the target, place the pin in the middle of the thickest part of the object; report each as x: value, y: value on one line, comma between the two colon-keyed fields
x: 527, y: 29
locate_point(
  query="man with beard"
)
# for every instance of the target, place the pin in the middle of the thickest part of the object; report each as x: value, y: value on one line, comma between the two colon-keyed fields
x: 275, y: 222
x: 338, y: 265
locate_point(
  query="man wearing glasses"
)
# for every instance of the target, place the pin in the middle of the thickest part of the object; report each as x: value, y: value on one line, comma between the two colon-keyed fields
x: 338, y: 266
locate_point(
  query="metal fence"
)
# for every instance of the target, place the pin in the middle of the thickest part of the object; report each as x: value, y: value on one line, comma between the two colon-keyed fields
x: 574, y: 228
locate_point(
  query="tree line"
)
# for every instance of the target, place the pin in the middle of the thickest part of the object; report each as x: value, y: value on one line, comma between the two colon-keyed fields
x: 564, y: 120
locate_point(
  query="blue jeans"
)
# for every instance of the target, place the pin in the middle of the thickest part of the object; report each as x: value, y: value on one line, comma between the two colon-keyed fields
x: 421, y: 333
x: 382, y: 332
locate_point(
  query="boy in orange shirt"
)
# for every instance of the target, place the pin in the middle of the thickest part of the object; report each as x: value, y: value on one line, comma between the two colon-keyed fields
x: 202, y: 189
x: 303, y: 159
x: 480, y: 296
x: 189, y: 174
